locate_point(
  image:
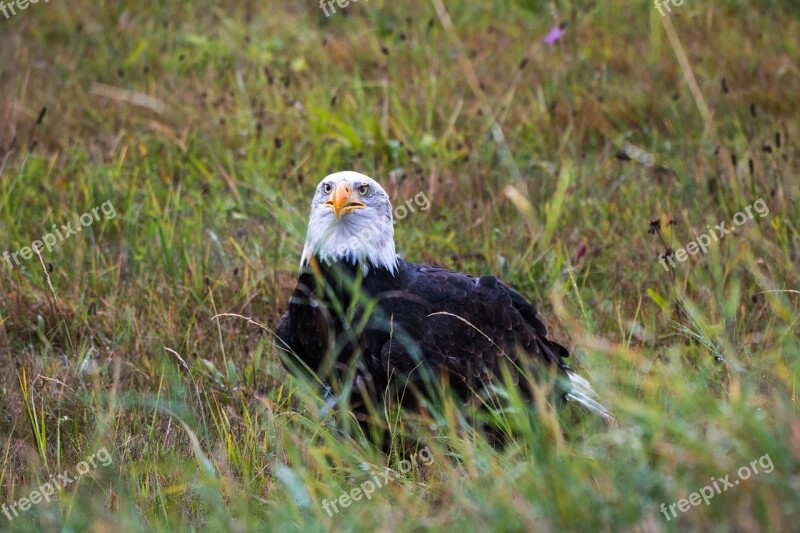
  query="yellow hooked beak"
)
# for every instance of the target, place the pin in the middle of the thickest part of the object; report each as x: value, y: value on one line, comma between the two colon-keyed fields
x: 342, y: 200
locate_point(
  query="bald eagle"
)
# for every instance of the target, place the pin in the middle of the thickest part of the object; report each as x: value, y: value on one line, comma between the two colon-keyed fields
x: 361, y: 310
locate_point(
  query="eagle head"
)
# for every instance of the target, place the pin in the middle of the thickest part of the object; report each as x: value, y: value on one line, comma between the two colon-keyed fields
x: 351, y: 220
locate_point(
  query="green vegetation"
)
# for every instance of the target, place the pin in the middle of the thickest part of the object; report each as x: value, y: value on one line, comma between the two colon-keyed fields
x: 208, y: 125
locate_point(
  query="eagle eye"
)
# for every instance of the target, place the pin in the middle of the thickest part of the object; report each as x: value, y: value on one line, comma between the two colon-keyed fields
x: 363, y: 190
x: 326, y: 187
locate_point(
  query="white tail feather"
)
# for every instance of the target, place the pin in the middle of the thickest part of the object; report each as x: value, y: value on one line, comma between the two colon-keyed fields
x: 583, y: 393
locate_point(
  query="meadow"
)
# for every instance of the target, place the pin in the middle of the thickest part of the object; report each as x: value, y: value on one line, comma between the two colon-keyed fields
x: 577, y: 150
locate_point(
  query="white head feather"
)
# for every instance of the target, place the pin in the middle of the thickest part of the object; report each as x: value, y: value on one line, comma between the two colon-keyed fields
x: 364, y: 235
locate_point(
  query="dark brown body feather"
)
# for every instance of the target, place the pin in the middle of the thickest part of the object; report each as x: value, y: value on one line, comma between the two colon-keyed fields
x: 426, y: 323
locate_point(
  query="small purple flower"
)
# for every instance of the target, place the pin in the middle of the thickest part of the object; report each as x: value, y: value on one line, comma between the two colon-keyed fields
x: 555, y: 34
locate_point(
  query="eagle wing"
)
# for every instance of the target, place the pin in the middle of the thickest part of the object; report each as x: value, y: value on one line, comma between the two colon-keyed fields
x: 466, y: 326
x: 302, y: 332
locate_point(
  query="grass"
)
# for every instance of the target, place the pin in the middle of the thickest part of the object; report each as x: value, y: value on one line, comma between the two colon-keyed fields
x: 207, y: 126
